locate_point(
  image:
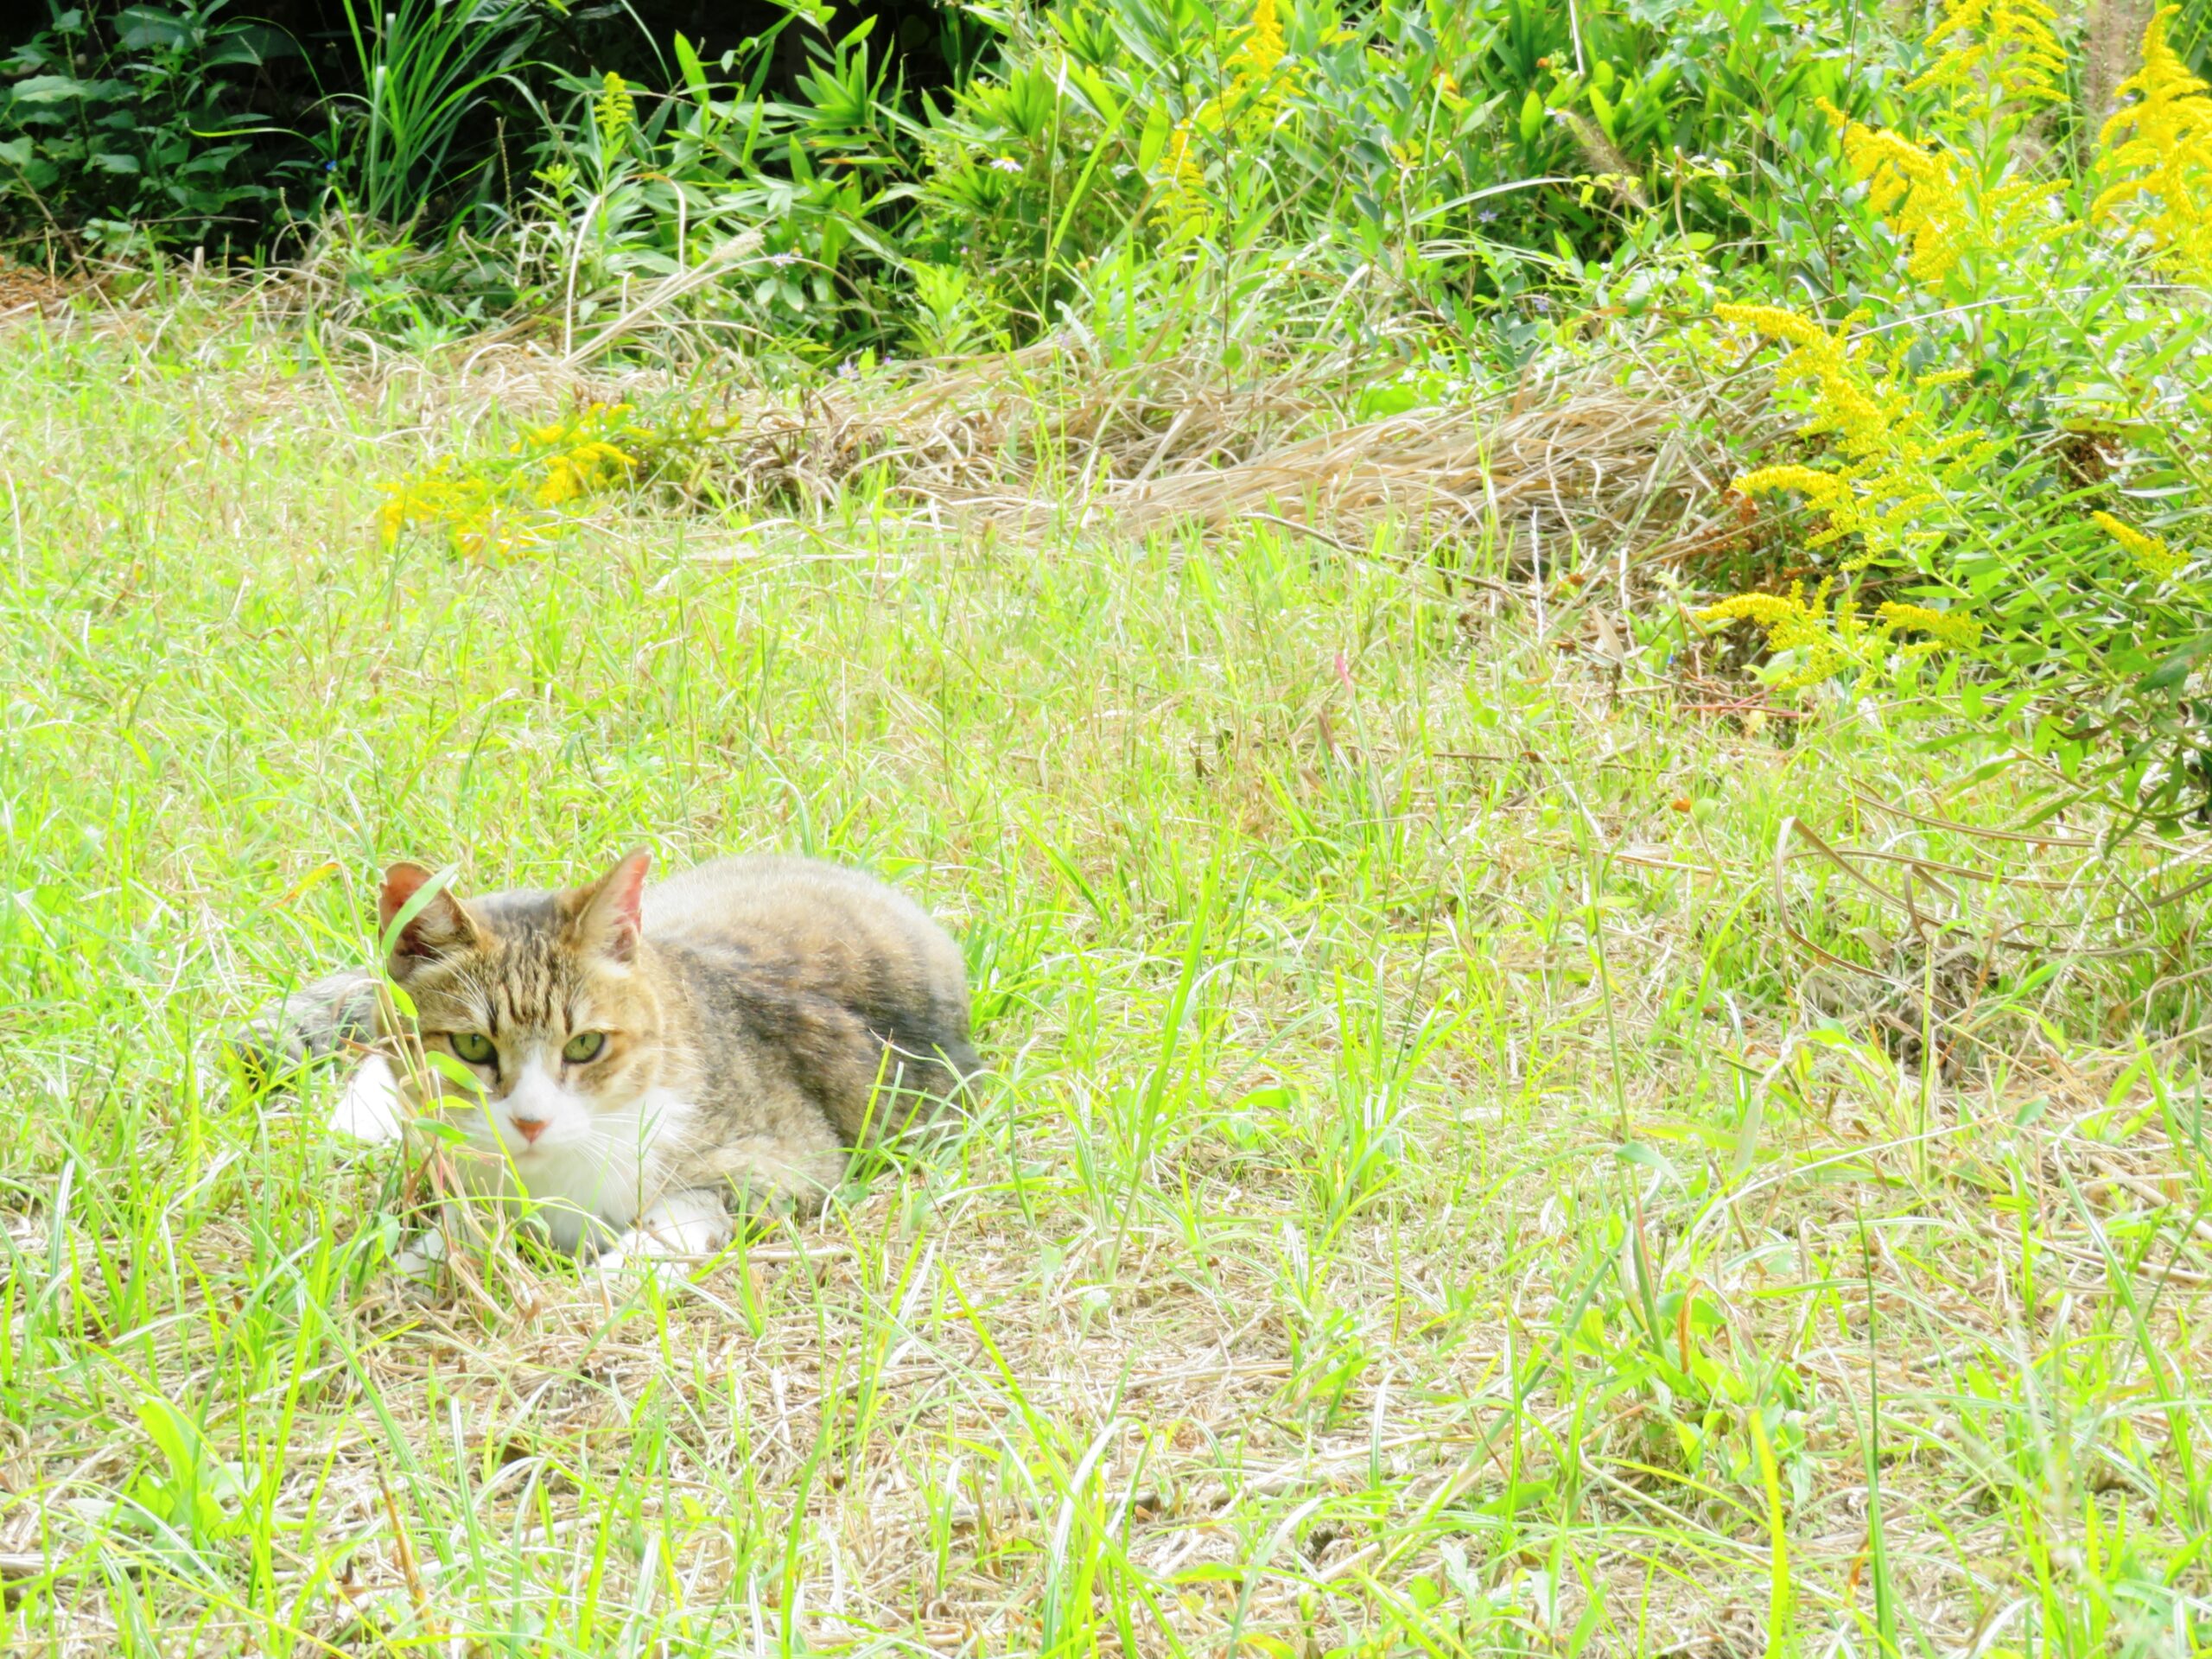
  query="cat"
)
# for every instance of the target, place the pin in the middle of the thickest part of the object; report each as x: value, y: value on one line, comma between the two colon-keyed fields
x: 632, y: 1058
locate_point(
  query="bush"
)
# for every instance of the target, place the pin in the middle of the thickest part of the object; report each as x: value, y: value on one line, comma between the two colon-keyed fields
x: 422, y: 67
x: 2004, y: 442
x: 1418, y: 137
x: 136, y: 133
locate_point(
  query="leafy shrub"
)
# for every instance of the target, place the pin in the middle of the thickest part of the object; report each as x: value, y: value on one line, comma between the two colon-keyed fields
x: 2007, y: 439
x: 1444, y: 150
x: 1415, y: 136
x: 781, y: 201
x: 136, y: 133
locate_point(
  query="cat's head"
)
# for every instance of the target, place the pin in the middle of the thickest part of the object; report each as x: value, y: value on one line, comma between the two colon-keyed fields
x: 536, y: 997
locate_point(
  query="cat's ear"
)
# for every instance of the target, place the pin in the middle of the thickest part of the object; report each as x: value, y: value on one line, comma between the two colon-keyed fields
x: 609, y: 919
x: 438, y: 929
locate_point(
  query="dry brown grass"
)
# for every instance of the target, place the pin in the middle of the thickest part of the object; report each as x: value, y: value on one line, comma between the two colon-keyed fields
x: 1056, y: 435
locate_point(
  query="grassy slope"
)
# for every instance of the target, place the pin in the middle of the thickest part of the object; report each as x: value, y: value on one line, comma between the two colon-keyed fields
x: 1321, y: 991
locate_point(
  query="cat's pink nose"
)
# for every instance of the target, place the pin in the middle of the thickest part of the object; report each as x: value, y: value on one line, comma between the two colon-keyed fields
x: 532, y: 1127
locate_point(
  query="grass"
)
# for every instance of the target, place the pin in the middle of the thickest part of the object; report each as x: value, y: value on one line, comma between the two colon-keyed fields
x: 1421, y: 1209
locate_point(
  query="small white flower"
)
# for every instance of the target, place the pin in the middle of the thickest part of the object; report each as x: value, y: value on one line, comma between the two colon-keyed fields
x: 1005, y: 164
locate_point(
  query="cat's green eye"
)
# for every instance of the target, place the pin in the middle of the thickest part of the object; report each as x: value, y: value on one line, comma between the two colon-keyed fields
x: 473, y: 1046
x: 584, y: 1045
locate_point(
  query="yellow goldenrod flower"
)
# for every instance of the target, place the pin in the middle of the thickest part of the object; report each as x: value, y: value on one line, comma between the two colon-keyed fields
x: 1794, y: 624
x: 1915, y: 189
x: 1941, y: 211
x: 513, y: 502
x: 1942, y: 627
x: 1895, y: 468
x: 2009, y: 47
x: 1183, y: 204
x: 1829, y: 642
x: 614, y: 111
x: 2165, y: 160
x: 1263, y: 47
x: 2151, y: 555
x: 1775, y: 322
x: 1259, y: 81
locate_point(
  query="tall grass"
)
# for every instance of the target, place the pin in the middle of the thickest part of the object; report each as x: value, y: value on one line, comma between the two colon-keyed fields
x: 423, y: 66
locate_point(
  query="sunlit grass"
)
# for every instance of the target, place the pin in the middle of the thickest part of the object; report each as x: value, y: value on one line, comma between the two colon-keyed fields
x: 1415, y: 1212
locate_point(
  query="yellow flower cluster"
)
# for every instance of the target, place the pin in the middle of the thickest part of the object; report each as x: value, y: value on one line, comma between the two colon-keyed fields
x: 1941, y: 627
x: 2166, y: 157
x: 1183, y: 206
x: 1920, y: 192
x: 1894, y: 469
x: 1915, y: 189
x: 577, y: 459
x: 1829, y: 643
x: 2151, y: 555
x: 1795, y: 624
x: 2008, y: 47
x: 513, y: 502
x: 615, y: 110
x: 1256, y: 86
x: 1259, y: 82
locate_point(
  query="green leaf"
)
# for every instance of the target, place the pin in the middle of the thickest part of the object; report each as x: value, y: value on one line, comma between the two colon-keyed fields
x: 251, y: 44
x: 1154, y: 143
x: 48, y: 89
x: 695, y: 73
x: 1532, y: 117
x: 2177, y: 667
x: 1635, y: 1151
x: 1608, y: 117
x: 171, y: 1434
x: 1210, y: 1573
x: 1518, y: 1498
x: 137, y: 28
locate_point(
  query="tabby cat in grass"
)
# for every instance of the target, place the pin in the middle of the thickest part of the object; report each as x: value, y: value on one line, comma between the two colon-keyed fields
x: 633, y: 1059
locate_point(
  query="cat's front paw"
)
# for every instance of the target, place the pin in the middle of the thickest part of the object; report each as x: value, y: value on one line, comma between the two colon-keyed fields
x: 637, y: 1253
x: 420, y: 1257
x: 370, y: 1110
x: 675, y: 1230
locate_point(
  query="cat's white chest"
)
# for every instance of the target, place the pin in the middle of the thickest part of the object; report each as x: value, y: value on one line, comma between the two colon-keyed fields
x: 597, y: 1187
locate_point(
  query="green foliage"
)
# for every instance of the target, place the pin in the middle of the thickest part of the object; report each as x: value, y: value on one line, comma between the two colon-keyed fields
x: 135, y: 132
x: 1463, y: 156
x: 1418, y: 137
x: 766, y: 211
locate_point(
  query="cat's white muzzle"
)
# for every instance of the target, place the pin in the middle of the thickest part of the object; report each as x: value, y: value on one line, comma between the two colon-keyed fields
x: 539, y: 1115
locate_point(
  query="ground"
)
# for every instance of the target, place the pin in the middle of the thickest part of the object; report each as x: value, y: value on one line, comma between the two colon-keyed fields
x: 1434, y: 1195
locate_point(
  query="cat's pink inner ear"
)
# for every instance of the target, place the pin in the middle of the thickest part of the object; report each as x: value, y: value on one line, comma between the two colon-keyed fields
x: 613, y: 918
x: 401, y: 883
x: 437, y: 928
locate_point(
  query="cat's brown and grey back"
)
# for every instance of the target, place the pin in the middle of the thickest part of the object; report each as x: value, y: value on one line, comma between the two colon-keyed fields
x: 820, y: 973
